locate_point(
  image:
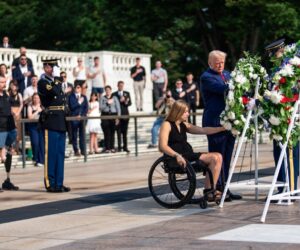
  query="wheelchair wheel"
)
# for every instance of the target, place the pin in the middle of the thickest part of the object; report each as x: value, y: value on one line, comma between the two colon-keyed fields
x: 203, y: 203
x: 162, y: 182
x: 200, y: 175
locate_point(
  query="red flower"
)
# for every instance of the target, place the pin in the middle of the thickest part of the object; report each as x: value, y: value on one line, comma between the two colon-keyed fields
x: 282, y: 80
x: 277, y: 87
x: 287, y: 99
x: 245, y: 100
x: 288, y: 120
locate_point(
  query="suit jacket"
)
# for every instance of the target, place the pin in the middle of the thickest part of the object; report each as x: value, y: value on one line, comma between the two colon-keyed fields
x: 9, y: 45
x: 76, y: 108
x: 17, y: 75
x: 213, y: 90
x: 124, y: 105
x: 16, y: 62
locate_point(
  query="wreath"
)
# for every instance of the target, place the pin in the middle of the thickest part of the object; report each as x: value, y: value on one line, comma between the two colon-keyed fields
x: 240, y: 95
x: 279, y: 101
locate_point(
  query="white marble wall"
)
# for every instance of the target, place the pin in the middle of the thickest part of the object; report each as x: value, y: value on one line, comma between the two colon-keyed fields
x: 115, y: 64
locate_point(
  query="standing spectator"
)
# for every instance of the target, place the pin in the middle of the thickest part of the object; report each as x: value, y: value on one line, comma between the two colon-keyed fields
x: 79, y: 72
x: 16, y: 103
x: 93, y: 125
x: 4, y: 73
x: 122, y: 127
x: 179, y: 93
x: 23, y: 74
x: 16, y: 61
x: 213, y: 89
x: 53, y: 123
x: 192, y: 94
x: 138, y: 74
x: 159, y: 76
x: 109, y: 105
x: 98, y: 77
x: 163, y: 105
x: 5, y: 43
x: 35, y: 132
x: 67, y: 88
x: 30, y: 90
x: 78, y: 105
x: 7, y: 134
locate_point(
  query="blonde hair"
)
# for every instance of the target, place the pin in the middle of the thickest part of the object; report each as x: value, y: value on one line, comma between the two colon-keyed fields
x: 215, y: 54
x: 177, y: 110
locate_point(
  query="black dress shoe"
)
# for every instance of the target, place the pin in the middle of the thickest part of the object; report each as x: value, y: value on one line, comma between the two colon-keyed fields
x: 127, y: 150
x: 235, y: 196
x: 63, y: 189
x: 51, y: 190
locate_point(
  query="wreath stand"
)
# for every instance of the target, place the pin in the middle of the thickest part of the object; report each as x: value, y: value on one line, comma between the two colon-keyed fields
x: 286, y: 194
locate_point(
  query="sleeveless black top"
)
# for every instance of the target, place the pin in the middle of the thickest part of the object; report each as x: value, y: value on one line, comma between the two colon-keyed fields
x: 178, y: 139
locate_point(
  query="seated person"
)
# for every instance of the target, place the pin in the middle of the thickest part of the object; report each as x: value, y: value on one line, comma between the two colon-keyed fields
x: 173, y: 142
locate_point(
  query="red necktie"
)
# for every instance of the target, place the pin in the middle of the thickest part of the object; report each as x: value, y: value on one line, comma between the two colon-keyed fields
x: 223, y: 77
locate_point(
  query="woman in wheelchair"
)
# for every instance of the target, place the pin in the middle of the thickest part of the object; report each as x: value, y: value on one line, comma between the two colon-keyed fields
x: 173, y: 142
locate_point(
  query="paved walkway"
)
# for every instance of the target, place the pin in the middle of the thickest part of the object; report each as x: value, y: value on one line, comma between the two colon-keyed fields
x: 109, y: 207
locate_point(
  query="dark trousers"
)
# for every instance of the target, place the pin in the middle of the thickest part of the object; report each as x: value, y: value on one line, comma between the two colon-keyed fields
x: 55, y: 142
x: 158, y: 90
x: 222, y: 143
x: 193, y: 108
x: 282, y: 175
x: 37, y: 143
x: 69, y: 131
x: 109, y: 127
x: 77, y: 126
x: 122, y: 131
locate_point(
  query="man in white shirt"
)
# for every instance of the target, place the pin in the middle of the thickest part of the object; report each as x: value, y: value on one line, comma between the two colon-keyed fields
x: 30, y: 90
x: 159, y: 76
x: 98, y: 77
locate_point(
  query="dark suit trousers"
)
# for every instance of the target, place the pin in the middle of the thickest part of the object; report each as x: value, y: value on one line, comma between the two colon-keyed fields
x: 222, y: 143
x: 122, y: 130
x: 109, y: 127
x: 77, y: 126
x: 193, y: 108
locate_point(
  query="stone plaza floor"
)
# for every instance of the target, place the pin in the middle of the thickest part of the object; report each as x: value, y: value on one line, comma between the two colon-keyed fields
x: 110, y: 207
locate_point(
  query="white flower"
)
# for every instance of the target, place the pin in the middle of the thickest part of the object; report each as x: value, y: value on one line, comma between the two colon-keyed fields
x: 226, y: 108
x: 236, y: 122
x: 254, y: 76
x: 274, y: 120
x: 227, y: 126
x: 233, y: 74
x: 230, y: 96
x: 230, y: 85
x: 222, y: 122
x: 276, y: 77
x: 251, y: 69
x: 231, y: 115
x: 289, y: 48
x: 235, y: 132
x: 262, y: 70
x: 287, y: 70
x: 243, y: 118
x: 295, y: 61
x: 267, y: 94
x: 250, y: 75
x: 240, y: 78
x: 225, y: 118
x: 275, y: 97
x: 277, y: 137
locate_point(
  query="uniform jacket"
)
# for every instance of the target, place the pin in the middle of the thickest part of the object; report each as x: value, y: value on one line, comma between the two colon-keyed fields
x: 213, y: 90
x: 51, y: 94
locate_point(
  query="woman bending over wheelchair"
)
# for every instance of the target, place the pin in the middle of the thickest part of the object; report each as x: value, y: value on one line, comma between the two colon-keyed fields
x: 173, y: 142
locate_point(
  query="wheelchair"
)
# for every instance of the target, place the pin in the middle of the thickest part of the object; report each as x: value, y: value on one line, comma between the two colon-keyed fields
x: 173, y: 186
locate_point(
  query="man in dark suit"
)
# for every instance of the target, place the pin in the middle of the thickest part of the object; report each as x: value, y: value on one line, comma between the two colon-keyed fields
x: 22, y: 74
x: 78, y: 106
x: 5, y: 43
x: 213, y: 89
x: 16, y: 61
x: 53, y: 123
x: 122, y: 127
x: 179, y: 93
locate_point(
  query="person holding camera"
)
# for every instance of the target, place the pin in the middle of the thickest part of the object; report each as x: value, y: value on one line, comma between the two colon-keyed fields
x: 35, y: 132
x: 109, y: 105
x: 163, y: 105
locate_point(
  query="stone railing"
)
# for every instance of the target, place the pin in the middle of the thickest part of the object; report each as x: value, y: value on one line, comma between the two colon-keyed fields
x: 115, y: 64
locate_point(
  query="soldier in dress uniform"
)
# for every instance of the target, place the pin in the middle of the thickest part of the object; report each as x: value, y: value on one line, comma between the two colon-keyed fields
x: 53, y: 123
x: 213, y: 90
x: 275, y: 49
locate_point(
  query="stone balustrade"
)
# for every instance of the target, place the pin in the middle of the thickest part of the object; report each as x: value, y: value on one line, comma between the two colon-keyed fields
x: 116, y: 66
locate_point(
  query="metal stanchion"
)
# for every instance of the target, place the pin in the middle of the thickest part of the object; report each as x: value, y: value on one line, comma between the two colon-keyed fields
x: 84, y: 139
x: 23, y: 145
x: 136, y: 136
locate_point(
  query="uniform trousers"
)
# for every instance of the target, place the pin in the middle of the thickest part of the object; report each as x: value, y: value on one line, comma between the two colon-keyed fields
x: 282, y: 174
x: 55, y: 142
x: 122, y: 133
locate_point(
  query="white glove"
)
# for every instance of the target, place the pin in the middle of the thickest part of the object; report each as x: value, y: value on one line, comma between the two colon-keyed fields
x: 56, y: 71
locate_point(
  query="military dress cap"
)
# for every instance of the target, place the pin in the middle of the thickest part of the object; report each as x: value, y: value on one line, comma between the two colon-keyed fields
x: 274, y: 46
x: 51, y: 62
